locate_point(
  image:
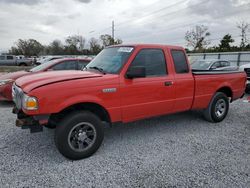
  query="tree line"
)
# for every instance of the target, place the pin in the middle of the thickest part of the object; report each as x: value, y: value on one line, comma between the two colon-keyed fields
x: 73, y: 45
x: 198, y: 39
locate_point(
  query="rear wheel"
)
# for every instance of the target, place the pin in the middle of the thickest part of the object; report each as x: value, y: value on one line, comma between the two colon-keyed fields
x: 217, y: 109
x: 79, y: 135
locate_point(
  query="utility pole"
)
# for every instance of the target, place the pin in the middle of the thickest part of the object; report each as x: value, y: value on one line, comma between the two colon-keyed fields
x: 113, y: 31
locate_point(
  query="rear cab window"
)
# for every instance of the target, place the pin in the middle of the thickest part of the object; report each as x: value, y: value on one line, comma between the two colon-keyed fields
x: 180, y: 61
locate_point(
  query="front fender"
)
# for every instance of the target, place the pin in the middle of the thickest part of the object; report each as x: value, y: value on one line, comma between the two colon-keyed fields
x: 79, y: 99
x: 52, y: 105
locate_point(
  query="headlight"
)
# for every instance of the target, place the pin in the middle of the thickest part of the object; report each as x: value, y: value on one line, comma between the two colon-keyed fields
x: 3, y: 82
x: 29, y: 103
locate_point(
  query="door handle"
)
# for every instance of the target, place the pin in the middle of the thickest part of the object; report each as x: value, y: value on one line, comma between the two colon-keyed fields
x: 168, y: 83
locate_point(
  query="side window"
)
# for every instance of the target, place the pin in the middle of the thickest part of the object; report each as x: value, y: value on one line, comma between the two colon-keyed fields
x: 9, y: 57
x: 2, y: 57
x: 216, y: 65
x: 65, y: 65
x: 82, y: 64
x: 180, y: 61
x: 153, y: 60
x: 225, y: 63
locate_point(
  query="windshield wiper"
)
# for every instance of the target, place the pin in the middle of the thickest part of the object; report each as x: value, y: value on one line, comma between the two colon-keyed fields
x: 98, y: 68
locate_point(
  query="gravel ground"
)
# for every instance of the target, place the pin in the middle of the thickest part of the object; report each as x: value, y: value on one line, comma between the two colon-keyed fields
x: 179, y: 150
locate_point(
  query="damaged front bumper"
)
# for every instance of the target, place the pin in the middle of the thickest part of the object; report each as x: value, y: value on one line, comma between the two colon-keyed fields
x: 34, y: 123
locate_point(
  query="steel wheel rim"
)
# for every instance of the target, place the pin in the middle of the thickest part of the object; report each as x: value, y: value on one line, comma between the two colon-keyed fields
x: 82, y: 136
x: 220, y: 108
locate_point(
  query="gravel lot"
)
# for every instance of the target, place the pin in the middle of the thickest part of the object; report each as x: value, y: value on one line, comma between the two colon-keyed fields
x: 179, y: 150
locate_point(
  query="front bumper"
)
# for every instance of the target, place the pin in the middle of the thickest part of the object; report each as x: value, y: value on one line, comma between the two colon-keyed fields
x: 34, y: 123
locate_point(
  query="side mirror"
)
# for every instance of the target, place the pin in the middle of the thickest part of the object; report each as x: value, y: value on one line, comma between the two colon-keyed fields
x: 136, y: 72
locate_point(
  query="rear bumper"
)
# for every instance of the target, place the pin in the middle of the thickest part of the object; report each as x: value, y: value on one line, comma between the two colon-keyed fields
x: 34, y: 123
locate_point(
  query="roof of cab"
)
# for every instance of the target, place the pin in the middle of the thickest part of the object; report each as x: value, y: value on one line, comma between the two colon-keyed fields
x: 151, y: 46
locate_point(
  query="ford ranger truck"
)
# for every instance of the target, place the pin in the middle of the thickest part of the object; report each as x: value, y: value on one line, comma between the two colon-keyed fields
x: 122, y: 84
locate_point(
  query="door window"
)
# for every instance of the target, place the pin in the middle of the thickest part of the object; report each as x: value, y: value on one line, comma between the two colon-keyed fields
x: 2, y: 57
x: 216, y: 65
x: 65, y: 65
x: 153, y: 60
x: 82, y: 64
x: 225, y: 64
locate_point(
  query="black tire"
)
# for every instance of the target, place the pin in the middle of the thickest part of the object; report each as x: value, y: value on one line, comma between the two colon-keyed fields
x: 50, y: 126
x: 69, y: 133
x: 22, y: 64
x: 247, y: 89
x: 214, y: 113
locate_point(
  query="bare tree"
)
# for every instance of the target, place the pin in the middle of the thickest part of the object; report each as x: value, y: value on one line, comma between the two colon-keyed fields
x: 28, y: 47
x: 198, y: 37
x: 243, y: 26
x: 55, y: 48
x: 107, y: 40
x: 95, y: 47
x: 77, y: 41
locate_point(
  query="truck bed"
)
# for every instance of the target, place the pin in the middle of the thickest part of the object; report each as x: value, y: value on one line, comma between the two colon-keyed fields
x: 209, y: 72
x: 209, y: 82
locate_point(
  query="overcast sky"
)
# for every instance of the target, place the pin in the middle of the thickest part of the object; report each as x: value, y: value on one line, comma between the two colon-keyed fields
x: 143, y: 21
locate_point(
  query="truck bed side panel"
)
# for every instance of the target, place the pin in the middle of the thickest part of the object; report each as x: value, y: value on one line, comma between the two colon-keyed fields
x: 206, y: 85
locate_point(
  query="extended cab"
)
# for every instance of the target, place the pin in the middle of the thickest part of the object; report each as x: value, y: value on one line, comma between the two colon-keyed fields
x: 122, y: 84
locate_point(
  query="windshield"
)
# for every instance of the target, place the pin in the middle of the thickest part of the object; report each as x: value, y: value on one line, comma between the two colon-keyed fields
x: 201, y: 65
x: 111, y: 60
x: 43, y: 66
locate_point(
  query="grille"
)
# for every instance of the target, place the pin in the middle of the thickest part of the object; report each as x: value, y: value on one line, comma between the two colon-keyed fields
x: 248, y: 72
x: 17, y: 94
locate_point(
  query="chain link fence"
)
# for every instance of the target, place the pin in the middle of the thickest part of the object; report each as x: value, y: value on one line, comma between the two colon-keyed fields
x: 237, y: 58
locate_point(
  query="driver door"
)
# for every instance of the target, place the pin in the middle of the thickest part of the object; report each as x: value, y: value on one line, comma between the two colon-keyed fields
x: 151, y: 95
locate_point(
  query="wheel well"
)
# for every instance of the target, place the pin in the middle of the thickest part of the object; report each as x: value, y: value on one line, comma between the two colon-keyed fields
x: 97, y: 109
x: 22, y: 63
x: 227, y: 91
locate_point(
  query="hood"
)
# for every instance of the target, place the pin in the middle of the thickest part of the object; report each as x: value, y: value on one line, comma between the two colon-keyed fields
x: 13, y: 75
x: 242, y: 67
x: 31, y: 82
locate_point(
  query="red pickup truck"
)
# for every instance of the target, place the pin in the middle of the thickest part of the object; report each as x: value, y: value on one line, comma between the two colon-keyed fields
x: 122, y: 84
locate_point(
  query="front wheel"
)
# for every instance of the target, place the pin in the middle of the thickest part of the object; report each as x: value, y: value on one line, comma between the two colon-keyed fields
x: 79, y: 135
x: 217, y: 109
